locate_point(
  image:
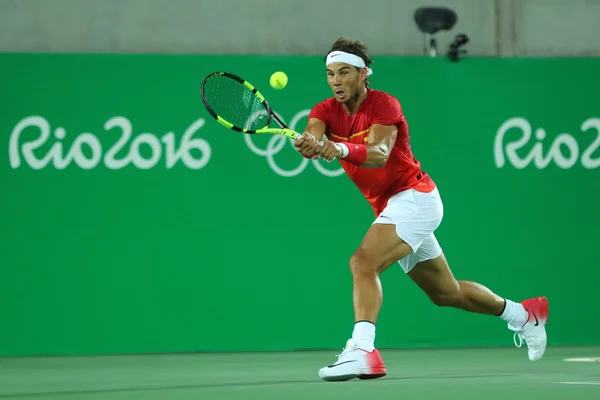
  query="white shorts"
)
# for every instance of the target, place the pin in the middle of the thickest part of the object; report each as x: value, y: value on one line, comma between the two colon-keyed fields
x: 416, y: 216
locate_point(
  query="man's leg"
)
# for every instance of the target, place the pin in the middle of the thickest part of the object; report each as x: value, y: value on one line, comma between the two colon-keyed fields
x: 380, y: 248
x: 435, y: 278
x: 408, y: 218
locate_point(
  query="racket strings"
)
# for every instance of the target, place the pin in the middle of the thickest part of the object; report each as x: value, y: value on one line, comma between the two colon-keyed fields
x: 235, y: 103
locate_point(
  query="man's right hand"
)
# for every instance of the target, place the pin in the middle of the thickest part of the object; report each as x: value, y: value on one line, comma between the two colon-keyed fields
x: 307, y: 145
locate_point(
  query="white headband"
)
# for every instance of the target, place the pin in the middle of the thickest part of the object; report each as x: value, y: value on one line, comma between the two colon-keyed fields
x: 348, y: 58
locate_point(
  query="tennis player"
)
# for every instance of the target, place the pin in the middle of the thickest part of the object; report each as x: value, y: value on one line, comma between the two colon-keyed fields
x: 367, y: 131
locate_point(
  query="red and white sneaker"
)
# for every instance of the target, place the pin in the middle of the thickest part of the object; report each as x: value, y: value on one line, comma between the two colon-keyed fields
x: 353, y: 363
x: 534, y: 330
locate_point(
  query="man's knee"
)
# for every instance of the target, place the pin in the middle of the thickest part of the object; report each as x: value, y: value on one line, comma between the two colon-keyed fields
x: 361, y: 262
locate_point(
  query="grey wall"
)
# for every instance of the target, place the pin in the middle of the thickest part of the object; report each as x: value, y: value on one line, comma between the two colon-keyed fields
x: 496, y: 27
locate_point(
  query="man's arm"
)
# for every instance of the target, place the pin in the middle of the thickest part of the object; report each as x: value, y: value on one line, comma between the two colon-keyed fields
x: 316, y: 127
x: 374, y: 154
x: 380, y: 144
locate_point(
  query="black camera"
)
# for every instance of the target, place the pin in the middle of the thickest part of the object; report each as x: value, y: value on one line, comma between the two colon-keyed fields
x: 455, y: 47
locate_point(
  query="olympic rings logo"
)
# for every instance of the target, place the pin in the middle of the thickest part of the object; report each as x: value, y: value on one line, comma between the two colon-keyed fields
x: 276, y: 144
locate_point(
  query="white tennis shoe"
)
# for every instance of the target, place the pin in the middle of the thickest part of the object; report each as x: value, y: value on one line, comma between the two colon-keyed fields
x: 354, y: 362
x: 534, y: 329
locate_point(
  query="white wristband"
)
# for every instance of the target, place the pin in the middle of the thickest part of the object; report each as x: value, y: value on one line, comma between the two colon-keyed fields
x: 343, y: 148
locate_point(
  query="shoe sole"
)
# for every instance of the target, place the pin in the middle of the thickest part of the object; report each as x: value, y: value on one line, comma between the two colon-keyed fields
x: 340, y: 378
x: 372, y: 376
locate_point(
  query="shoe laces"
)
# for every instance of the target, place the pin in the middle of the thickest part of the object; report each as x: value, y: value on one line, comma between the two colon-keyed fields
x: 350, y: 346
x: 520, y: 336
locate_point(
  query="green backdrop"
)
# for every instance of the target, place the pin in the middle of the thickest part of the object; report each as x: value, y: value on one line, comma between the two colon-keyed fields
x: 132, y: 222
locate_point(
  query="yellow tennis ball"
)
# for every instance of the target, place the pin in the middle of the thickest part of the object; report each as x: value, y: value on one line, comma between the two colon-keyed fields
x: 278, y: 80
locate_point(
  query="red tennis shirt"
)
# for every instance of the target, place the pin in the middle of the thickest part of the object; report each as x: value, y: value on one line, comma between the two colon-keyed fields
x: 401, y: 172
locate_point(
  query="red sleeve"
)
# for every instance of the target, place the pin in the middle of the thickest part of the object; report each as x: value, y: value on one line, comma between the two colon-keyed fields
x: 320, y: 111
x: 387, y: 111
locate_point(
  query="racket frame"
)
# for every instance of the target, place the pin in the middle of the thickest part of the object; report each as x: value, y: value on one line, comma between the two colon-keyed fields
x: 283, y: 128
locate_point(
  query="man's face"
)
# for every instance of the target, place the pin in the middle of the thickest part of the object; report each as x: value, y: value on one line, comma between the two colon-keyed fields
x: 345, y: 81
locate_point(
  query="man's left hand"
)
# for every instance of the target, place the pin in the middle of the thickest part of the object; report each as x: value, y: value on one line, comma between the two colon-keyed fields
x: 329, y: 151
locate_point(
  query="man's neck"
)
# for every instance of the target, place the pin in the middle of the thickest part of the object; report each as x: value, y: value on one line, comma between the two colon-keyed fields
x: 352, y: 105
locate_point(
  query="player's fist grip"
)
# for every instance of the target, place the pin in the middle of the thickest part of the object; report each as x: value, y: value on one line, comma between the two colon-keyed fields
x: 307, y: 145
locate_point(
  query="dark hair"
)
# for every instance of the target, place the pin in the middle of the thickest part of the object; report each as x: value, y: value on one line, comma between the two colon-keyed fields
x: 355, y: 47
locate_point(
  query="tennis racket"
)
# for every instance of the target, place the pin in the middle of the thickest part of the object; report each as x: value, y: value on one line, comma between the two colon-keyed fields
x: 236, y: 104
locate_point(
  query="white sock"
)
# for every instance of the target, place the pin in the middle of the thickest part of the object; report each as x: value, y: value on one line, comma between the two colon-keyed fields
x: 364, y: 335
x: 514, y: 313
